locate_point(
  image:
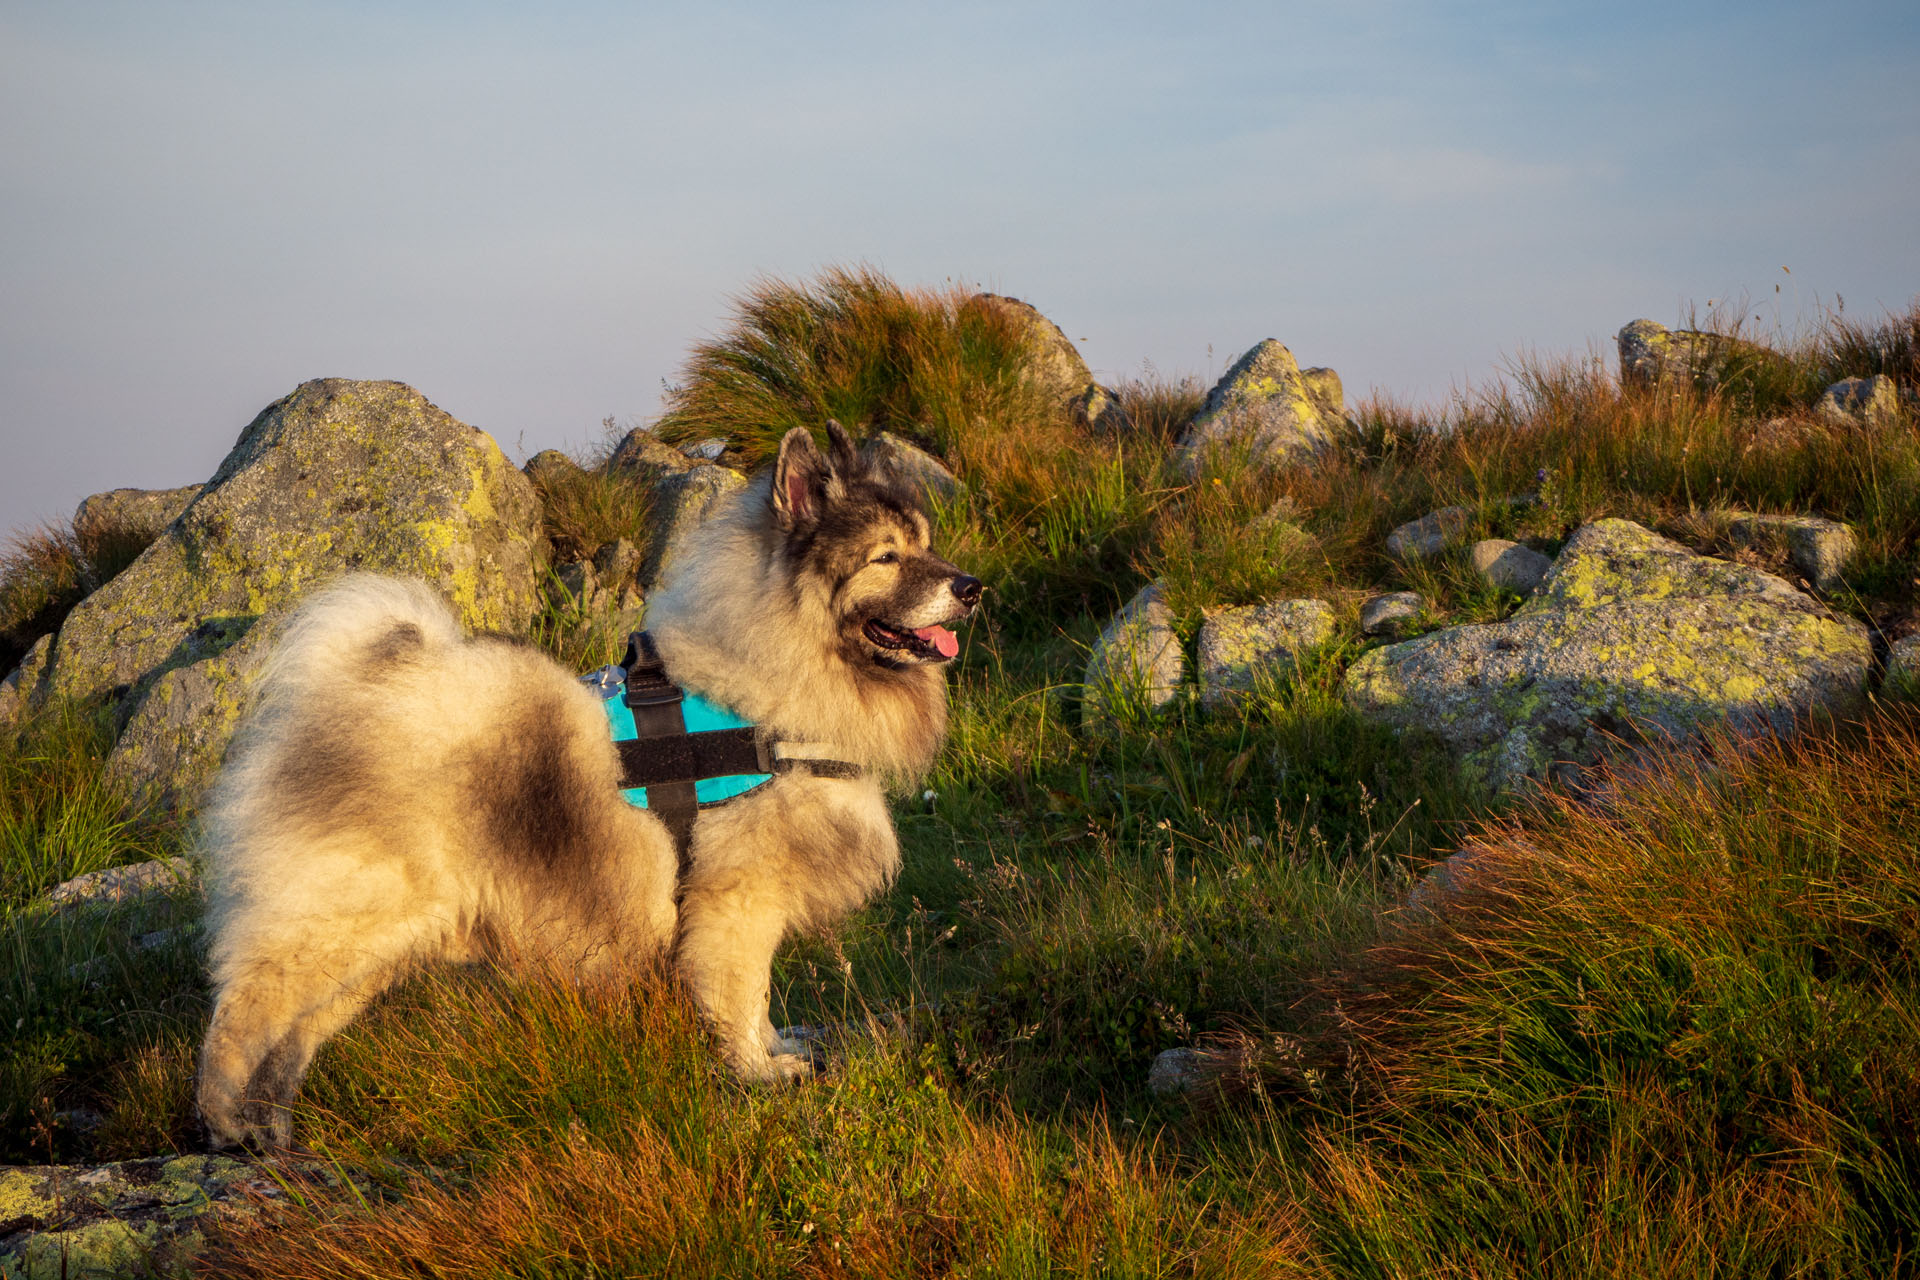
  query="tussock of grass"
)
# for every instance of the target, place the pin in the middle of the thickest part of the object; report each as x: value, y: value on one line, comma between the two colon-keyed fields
x: 1680, y: 1027
x: 44, y: 572
x: 593, y: 504
x: 855, y: 347
x: 1848, y: 348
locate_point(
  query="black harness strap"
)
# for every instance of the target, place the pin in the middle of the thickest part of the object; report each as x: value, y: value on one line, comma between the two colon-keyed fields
x: 655, y: 703
x: 667, y: 760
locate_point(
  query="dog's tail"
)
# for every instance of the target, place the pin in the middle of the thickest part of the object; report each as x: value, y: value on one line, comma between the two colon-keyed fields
x: 351, y: 631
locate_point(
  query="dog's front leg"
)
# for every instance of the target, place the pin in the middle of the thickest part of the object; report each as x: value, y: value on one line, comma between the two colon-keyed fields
x: 731, y: 923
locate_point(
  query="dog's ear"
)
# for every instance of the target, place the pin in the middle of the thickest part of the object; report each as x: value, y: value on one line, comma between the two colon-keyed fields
x: 803, y: 480
x: 847, y: 462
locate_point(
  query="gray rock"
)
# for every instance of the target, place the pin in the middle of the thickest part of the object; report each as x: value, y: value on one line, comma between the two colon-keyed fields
x: 1508, y: 565
x: 1431, y: 534
x: 1903, y: 664
x: 121, y: 884
x: 1820, y: 549
x: 1266, y: 405
x: 137, y: 1217
x: 1098, y: 409
x: 1174, y: 1071
x: 1653, y: 355
x: 617, y: 566
x: 20, y: 683
x: 912, y: 464
x: 176, y: 736
x: 338, y: 475
x: 640, y: 449
x: 1238, y: 647
x: 150, y: 510
x: 708, y: 450
x: 550, y: 467
x: 1629, y: 635
x: 682, y: 502
x: 1391, y: 615
x: 1875, y: 401
x: 1054, y: 364
x: 1137, y: 661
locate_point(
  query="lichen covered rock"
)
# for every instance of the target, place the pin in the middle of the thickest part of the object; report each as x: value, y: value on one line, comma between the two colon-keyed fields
x: 1266, y: 405
x: 150, y: 510
x: 1137, y: 663
x: 1874, y: 401
x: 1629, y: 635
x: 1239, y: 647
x: 20, y: 683
x: 1820, y: 549
x: 138, y: 1217
x: 338, y: 475
x: 1653, y: 355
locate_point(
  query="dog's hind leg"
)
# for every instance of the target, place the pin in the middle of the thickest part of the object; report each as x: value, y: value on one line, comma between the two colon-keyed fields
x: 269, y: 1020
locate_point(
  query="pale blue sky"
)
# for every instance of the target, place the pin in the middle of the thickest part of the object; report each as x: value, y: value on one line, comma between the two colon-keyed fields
x: 530, y: 213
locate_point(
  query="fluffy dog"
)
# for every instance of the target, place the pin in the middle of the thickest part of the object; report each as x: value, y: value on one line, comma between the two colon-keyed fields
x: 402, y: 794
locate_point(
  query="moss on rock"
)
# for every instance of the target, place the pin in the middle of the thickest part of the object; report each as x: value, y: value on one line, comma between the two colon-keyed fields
x: 1238, y: 647
x: 138, y: 1217
x: 1630, y: 635
x: 338, y: 475
x: 1267, y: 406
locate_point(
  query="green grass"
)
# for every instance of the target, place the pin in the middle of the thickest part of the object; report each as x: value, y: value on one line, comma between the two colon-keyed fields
x: 1672, y: 1033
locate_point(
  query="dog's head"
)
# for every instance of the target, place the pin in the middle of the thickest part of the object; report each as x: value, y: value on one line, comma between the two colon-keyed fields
x: 858, y: 532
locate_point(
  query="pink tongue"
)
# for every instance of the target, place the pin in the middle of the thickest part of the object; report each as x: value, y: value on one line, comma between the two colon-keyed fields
x: 940, y: 638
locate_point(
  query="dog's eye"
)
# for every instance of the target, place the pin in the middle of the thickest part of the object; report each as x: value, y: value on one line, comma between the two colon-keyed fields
x: 885, y: 557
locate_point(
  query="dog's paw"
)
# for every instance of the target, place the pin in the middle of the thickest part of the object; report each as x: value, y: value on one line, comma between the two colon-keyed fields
x: 793, y: 1065
x: 774, y: 1068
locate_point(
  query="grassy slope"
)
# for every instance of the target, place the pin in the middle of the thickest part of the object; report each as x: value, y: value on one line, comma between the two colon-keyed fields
x: 1675, y: 1037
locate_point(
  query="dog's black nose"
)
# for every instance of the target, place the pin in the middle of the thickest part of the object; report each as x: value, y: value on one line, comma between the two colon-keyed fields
x: 968, y: 589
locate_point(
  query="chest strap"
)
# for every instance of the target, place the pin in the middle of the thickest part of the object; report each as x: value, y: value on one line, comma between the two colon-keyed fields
x: 667, y: 759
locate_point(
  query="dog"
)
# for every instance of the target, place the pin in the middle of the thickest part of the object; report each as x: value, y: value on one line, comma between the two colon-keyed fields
x: 402, y: 794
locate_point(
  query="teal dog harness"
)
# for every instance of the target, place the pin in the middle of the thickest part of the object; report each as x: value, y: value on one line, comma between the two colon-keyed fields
x: 680, y: 753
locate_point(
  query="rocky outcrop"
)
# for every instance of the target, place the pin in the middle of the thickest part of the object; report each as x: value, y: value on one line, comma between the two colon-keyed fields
x: 1137, y: 663
x: 1873, y: 401
x: 1820, y: 549
x: 338, y: 475
x: 1054, y: 365
x: 1653, y: 355
x: 1629, y: 635
x: 643, y: 451
x: 116, y: 885
x: 150, y: 510
x: 1431, y: 534
x: 1240, y: 647
x: 682, y: 501
x: 138, y: 1217
x: 19, y: 684
x: 605, y: 589
x: 1903, y: 665
x: 913, y: 464
x: 1267, y: 405
x: 1508, y: 566
x: 1391, y: 615
x: 550, y: 467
